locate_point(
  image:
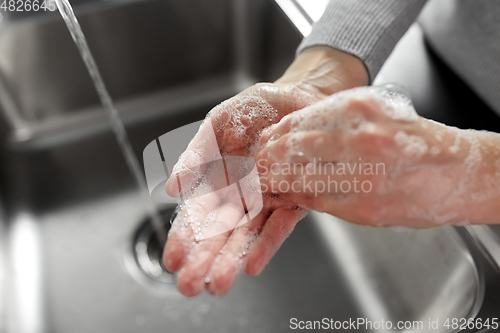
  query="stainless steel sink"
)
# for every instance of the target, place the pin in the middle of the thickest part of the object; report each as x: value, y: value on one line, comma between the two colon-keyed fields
x: 72, y: 211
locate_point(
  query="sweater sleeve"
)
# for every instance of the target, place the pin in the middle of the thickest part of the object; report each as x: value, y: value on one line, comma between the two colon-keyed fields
x: 368, y: 29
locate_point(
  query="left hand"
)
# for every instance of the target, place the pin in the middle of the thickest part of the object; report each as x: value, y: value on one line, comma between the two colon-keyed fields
x: 214, y: 238
x: 367, y: 157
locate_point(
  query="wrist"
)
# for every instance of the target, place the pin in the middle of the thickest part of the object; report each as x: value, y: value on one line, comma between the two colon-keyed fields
x: 479, y: 157
x: 485, y: 201
x: 327, y: 70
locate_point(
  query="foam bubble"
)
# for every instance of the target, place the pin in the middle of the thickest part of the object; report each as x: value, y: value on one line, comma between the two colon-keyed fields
x: 474, y: 157
x: 434, y: 151
x: 335, y: 112
x: 412, y: 145
x: 243, y: 115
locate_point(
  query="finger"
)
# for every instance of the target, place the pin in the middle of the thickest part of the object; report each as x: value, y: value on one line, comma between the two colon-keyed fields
x: 303, y: 147
x: 231, y: 259
x: 330, y: 179
x: 274, y: 233
x: 275, y: 131
x: 365, y: 211
x: 294, y: 121
x: 182, y: 236
x: 346, y: 109
x: 177, y: 247
x: 333, y: 204
x: 325, y: 167
x: 191, y: 279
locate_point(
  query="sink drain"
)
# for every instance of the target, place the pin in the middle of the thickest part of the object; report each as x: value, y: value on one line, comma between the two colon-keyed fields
x: 148, y: 251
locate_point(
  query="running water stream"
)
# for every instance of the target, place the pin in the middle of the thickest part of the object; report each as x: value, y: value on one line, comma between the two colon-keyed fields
x: 114, y: 118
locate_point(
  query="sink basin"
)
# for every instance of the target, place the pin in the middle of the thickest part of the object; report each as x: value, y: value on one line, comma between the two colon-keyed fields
x: 72, y: 211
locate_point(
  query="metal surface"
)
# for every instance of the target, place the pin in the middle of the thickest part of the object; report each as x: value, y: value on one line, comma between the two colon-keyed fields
x: 188, y: 58
x: 72, y: 210
x: 147, y: 251
x: 489, y: 239
x: 441, y: 95
x: 4, y: 271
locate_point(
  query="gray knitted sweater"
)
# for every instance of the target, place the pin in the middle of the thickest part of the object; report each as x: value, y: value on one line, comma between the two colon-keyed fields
x: 465, y: 33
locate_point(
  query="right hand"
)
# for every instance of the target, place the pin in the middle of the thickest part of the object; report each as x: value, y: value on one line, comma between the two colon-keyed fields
x: 237, y: 124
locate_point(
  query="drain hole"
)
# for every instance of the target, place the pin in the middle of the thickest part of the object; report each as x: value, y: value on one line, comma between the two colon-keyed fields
x: 148, y: 251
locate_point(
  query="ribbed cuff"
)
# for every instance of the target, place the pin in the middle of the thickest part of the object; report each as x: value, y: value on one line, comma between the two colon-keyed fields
x: 368, y: 29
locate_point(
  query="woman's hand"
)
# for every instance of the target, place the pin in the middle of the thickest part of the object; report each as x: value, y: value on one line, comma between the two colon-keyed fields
x: 244, y: 239
x: 211, y: 257
x: 365, y: 156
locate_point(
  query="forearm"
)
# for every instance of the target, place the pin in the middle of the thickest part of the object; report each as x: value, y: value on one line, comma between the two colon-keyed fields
x: 368, y: 29
x: 483, y: 206
x: 468, y: 163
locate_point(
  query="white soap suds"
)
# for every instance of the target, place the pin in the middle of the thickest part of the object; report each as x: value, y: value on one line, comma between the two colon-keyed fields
x: 434, y: 151
x: 474, y: 158
x: 321, y: 117
x: 412, y: 145
x: 243, y: 113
